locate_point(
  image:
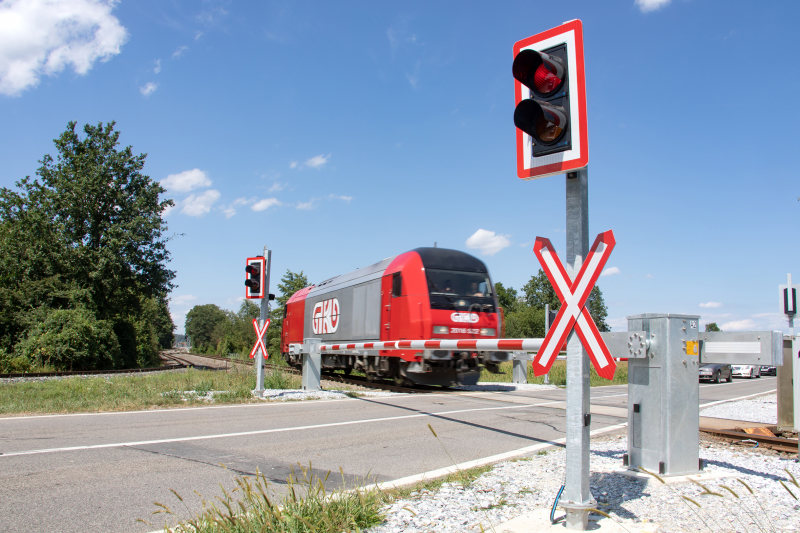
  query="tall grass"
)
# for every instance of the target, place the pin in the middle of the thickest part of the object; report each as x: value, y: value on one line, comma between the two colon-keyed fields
x: 135, y: 392
x: 558, y: 375
x: 252, y: 506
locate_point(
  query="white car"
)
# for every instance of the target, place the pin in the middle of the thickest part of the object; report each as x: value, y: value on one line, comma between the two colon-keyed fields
x: 746, y: 371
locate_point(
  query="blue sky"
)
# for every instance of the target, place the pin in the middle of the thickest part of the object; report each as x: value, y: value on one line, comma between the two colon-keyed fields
x: 341, y: 133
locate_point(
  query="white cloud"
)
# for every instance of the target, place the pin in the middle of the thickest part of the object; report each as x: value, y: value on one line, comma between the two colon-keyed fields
x: 157, y: 68
x: 179, y: 52
x: 739, y: 325
x: 148, y: 89
x: 610, y: 272
x: 488, y: 242
x: 39, y: 37
x: 306, y: 205
x: 183, y: 299
x: 277, y: 187
x: 199, y: 204
x: 318, y: 161
x: 186, y: 181
x: 651, y: 5
x: 712, y: 305
x: 650, y: 276
x: 340, y: 197
x: 230, y: 210
x: 293, y: 164
x: 264, y: 204
x: 197, y: 35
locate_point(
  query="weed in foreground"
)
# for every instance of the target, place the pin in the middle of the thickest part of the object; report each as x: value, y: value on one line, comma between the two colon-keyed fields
x: 252, y: 506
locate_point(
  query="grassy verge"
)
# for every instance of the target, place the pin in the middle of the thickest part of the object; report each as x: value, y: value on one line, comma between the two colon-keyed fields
x: 558, y: 375
x: 135, y: 392
x: 461, y: 477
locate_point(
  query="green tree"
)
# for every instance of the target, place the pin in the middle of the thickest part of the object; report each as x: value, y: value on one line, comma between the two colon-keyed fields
x: 712, y: 326
x: 86, y: 235
x: 597, y: 308
x: 525, y: 323
x: 201, y: 322
x: 290, y: 283
x: 506, y: 297
x: 538, y: 292
x: 522, y: 321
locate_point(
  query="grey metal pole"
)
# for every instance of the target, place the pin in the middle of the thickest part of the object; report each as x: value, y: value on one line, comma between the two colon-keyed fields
x: 577, y: 500
x: 261, y: 319
x: 795, y: 362
x: 546, y: 329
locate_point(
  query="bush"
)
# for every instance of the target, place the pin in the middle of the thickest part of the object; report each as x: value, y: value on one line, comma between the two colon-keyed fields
x: 71, y: 339
x: 9, y: 363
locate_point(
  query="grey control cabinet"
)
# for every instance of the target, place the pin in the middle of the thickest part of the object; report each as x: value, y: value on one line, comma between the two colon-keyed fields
x: 663, y: 395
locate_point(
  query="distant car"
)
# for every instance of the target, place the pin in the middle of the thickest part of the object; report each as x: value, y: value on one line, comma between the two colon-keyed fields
x: 746, y: 371
x: 716, y: 372
x: 769, y: 371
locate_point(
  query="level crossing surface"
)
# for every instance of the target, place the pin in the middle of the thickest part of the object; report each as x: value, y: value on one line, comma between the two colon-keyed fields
x: 102, y: 472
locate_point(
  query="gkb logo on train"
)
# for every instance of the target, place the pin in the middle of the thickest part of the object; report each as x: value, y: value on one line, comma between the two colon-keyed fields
x: 326, y: 317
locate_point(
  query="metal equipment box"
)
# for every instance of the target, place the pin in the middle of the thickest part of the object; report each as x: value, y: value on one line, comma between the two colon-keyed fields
x: 663, y: 395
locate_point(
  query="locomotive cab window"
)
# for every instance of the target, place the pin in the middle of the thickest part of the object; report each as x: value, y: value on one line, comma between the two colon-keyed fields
x: 397, y: 284
x: 452, y: 289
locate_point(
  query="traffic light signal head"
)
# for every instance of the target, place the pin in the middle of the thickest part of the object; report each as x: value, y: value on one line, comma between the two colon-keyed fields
x: 254, y: 280
x: 550, y: 113
x: 545, y: 115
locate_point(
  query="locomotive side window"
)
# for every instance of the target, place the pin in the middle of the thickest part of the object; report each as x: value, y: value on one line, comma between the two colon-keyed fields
x: 397, y: 284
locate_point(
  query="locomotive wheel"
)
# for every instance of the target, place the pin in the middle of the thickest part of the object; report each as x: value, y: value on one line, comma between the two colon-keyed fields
x: 400, y: 381
x: 493, y: 368
x: 347, y: 371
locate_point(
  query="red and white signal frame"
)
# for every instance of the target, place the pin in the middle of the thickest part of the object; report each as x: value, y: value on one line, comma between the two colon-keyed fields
x: 261, y: 263
x: 529, y: 167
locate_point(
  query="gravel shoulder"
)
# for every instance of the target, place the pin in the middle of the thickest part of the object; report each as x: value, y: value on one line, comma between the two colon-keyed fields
x: 761, y: 409
x: 518, y: 487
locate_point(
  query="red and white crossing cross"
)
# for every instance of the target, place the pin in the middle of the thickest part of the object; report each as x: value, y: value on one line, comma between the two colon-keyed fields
x: 573, y: 313
x: 260, y: 339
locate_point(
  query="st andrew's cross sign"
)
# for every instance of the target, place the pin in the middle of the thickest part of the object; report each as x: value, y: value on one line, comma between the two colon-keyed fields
x: 260, y: 339
x: 573, y: 295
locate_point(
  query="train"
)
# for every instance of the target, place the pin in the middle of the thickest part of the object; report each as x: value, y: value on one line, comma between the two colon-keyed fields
x: 425, y: 293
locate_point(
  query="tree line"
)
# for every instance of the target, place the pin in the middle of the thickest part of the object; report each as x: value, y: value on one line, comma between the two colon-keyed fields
x: 217, y: 331
x: 83, y: 275
x: 524, y: 310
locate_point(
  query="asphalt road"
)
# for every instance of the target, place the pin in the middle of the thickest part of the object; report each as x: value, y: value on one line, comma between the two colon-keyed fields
x: 102, y: 472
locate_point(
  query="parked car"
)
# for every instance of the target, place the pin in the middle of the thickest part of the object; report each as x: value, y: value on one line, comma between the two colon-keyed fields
x: 716, y: 372
x: 769, y: 370
x: 746, y: 371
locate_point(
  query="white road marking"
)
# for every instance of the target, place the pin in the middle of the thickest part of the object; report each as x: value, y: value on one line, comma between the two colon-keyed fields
x: 704, y: 405
x: 265, y: 431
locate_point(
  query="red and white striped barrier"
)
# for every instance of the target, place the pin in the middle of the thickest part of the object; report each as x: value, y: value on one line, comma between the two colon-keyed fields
x: 484, y: 345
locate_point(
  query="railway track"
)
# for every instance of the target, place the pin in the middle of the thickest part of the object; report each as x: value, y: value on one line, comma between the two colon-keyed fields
x: 779, y: 444
x: 340, y: 378
x: 175, y: 361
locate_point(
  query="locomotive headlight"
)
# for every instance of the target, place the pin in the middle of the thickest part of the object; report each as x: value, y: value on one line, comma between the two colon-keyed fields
x: 489, y: 332
x: 440, y: 330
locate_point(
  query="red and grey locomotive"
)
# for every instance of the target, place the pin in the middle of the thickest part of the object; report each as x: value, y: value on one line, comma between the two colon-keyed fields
x: 427, y: 293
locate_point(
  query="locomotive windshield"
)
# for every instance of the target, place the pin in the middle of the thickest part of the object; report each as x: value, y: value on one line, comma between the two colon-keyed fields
x: 451, y: 289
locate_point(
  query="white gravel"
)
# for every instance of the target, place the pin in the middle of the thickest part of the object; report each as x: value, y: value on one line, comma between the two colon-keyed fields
x: 762, y: 409
x: 518, y: 487
x: 277, y: 395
